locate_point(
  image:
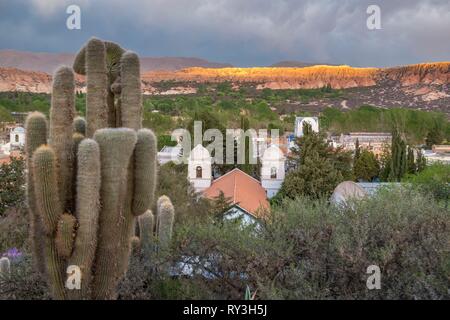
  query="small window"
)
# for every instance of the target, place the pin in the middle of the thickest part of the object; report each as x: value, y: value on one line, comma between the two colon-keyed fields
x: 273, y: 173
x: 198, y: 172
x: 17, y: 138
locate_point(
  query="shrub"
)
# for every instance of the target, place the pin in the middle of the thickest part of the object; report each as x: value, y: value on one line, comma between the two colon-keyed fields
x: 308, y: 249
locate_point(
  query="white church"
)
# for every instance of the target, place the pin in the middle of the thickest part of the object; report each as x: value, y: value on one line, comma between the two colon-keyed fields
x: 249, y: 196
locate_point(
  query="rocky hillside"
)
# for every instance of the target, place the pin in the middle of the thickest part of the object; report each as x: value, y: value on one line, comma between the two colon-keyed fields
x: 422, y: 86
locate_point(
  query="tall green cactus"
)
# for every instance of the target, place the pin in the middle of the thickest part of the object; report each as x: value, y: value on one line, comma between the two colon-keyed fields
x: 84, y: 194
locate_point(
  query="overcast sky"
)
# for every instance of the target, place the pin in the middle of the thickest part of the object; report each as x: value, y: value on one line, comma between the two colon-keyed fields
x: 241, y: 32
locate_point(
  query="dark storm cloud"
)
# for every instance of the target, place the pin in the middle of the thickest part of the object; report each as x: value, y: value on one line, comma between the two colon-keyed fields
x: 242, y: 32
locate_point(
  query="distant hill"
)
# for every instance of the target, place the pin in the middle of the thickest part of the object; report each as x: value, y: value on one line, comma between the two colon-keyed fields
x: 48, y: 62
x: 296, y: 64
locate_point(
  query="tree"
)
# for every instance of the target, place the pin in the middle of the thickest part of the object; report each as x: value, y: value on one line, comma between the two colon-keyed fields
x: 220, y: 205
x: 398, y: 157
x: 433, y: 180
x: 366, y: 166
x: 385, y: 163
x: 12, y: 181
x: 357, y: 149
x: 421, y: 161
x: 315, y: 178
x: 315, y: 142
x: 434, y: 136
x: 411, y: 161
x: 173, y: 183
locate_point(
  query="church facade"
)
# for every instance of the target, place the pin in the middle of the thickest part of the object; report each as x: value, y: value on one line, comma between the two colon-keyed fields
x: 249, y: 196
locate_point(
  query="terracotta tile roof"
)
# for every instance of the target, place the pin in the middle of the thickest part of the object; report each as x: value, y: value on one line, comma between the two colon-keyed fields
x: 242, y: 189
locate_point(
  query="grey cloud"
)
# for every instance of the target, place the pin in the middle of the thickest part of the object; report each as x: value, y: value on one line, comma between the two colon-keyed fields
x: 242, y: 32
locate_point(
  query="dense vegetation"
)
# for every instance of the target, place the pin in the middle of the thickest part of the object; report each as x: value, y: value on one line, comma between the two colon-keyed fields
x: 262, y: 108
x: 307, y: 248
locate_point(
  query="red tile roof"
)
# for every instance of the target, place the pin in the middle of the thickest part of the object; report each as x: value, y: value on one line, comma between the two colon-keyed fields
x: 243, y: 191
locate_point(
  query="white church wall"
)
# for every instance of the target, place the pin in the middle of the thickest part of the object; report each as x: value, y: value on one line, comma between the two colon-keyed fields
x: 313, y: 121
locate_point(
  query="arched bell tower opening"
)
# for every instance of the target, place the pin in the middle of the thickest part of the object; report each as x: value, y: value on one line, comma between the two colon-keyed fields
x: 272, y: 170
x: 199, y: 168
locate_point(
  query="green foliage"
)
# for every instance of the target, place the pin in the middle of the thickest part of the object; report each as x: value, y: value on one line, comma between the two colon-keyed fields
x: 433, y: 180
x: 315, y: 178
x: 172, y: 182
x: 434, y: 135
x: 5, y: 115
x: 416, y: 124
x: 319, y: 168
x: 366, y: 166
x: 12, y: 184
x: 398, y: 157
x: 310, y: 250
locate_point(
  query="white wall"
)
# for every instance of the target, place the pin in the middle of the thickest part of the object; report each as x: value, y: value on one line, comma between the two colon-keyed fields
x: 313, y: 121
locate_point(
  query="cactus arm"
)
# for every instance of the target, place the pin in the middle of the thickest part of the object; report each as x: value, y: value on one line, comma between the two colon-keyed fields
x: 131, y: 96
x: 97, y: 82
x: 65, y: 235
x: 79, y: 64
x: 166, y: 216
x: 116, y: 148
x: 50, y: 208
x: 79, y: 125
x: 61, y: 130
x: 144, y: 171
x: 46, y: 187
x: 146, y: 227
x: 88, y: 206
x: 36, y: 135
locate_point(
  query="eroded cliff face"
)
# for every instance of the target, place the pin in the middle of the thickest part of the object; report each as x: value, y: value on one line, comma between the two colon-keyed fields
x: 338, y: 77
x: 13, y: 79
x: 428, y: 81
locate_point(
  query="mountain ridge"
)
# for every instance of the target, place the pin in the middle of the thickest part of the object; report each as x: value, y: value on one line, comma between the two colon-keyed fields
x: 47, y: 62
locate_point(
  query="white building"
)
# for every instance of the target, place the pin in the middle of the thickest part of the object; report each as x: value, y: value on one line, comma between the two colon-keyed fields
x: 168, y: 154
x: 17, y: 138
x: 299, y: 121
x: 272, y: 170
x: 199, y: 168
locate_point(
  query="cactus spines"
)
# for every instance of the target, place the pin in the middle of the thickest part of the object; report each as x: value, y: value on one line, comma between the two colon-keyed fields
x: 36, y: 135
x: 61, y: 121
x: 46, y: 187
x: 116, y: 149
x: 88, y: 195
x: 97, y: 82
x: 5, y: 267
x: 65, y: 235
x: 166, y: 216
x: 79, y: 125
x: 135, y: 244
x: 146, y: 229
x: 131, y: 98
x: 144, y: 171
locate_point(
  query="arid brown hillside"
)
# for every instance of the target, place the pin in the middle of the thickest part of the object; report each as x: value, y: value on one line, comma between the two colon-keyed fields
x: 423, y: 86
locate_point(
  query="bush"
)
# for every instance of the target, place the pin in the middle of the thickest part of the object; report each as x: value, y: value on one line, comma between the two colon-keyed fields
x: 311, y: 250
x: 433, y: 180
x: 23, y: 283
x: 12, y: 184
